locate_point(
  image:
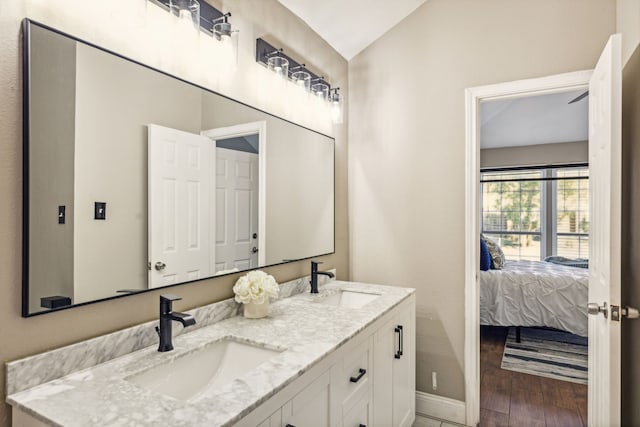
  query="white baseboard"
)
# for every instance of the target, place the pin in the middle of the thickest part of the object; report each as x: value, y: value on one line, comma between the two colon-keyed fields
x: 440, y: 407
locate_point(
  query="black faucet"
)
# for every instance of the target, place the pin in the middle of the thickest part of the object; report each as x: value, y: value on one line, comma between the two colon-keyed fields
x: 314, y: 276
x: 166, y: 317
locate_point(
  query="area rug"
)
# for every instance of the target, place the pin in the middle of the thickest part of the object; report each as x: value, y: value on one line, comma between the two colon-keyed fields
x: 547, y: 353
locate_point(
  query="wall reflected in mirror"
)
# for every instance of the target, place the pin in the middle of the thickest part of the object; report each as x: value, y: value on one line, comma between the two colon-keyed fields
x: 138, y: 180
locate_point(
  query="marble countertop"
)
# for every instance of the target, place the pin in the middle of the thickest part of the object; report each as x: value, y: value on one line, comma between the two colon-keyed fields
x: 306, y: 330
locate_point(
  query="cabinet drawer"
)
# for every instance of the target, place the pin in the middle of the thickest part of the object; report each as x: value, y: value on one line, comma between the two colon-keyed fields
x: 355, y: 375
x: 359, y: 414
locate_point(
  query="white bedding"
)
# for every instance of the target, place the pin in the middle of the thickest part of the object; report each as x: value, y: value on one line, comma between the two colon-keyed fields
x: 535, y: 293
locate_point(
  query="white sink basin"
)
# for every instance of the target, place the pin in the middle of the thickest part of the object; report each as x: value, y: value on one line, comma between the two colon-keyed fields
x: 349, y: 299
x: 215, y: 365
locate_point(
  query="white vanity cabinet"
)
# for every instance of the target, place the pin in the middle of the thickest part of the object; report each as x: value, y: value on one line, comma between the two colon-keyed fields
x: 369, y: 381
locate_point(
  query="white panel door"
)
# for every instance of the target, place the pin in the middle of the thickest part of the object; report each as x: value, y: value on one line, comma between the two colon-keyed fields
x: 236, y: 210
x: 180, y: 173
x: 605, y: 170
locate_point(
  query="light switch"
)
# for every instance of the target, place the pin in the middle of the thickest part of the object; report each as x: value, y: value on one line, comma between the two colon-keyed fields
x: 62, y: 214
x: 100, y: 210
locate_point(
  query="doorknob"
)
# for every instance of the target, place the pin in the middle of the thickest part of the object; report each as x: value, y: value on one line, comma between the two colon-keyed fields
x: 254, y: 250
x: 594, y: 308
x: 160, y: 265
x: 630, y: 313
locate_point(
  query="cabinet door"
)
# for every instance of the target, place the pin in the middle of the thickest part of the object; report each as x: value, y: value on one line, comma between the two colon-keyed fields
x: 353, y: 380
x: 404, y: 371
x: 394, y: 372
x: 312, y: 406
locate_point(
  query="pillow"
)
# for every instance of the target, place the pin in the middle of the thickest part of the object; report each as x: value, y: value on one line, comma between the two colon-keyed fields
x: 485, y: 257
x: 497, y: 256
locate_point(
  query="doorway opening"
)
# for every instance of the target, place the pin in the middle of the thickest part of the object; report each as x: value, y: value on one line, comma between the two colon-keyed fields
x: 239, y: 196
x: 513, y: 201
x: 236, y: 195
x: 534, y: 220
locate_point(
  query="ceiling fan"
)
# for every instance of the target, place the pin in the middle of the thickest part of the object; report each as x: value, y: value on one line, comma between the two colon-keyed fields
x: 579, y: 97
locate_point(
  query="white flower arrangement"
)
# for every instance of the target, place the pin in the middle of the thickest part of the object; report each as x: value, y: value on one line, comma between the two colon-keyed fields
x: 255, y: 286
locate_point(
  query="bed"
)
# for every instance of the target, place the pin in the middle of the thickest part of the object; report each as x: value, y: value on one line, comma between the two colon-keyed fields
x: 535, y: 293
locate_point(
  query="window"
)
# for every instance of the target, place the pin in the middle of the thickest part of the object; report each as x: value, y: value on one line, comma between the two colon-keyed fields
x: 511, y: 207
x: 537, y: 213
x: 572, y: 214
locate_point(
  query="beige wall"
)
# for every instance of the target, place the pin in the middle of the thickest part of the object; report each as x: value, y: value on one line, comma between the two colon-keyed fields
x: 122, y: 29
x: 535, y: 155
x: 628, y: 23
x: 406, y: 144
x: 51, y: 127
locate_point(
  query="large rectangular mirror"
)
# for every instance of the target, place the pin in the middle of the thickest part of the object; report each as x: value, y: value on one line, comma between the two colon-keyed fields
x: 135, y: 179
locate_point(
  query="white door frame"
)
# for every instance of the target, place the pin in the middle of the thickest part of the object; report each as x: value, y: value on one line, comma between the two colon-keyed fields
x: 473, y: 96
x: 245, y: 129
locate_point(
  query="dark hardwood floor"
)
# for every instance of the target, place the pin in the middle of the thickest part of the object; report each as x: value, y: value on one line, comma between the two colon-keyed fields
x: 510, y: 398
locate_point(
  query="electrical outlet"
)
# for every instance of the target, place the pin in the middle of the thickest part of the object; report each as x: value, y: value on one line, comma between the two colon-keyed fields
x: 434, y: 380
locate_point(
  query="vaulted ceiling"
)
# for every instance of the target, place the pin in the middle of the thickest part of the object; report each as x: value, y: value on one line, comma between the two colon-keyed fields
x: 349, y: 26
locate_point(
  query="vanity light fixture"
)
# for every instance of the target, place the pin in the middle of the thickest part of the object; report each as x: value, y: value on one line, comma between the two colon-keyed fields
x: 203, y: 16
x: 276, y: 60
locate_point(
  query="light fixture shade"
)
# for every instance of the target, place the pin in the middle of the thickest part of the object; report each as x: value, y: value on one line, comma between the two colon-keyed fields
x: 187, y: 11
x: 321, y: 90
x: 279, y: 65
x: 337, y: 107
x: 302, y: 79
x: 222, y: 30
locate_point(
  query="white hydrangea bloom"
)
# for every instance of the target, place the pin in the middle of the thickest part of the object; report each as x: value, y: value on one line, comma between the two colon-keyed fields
x: 255, y: 286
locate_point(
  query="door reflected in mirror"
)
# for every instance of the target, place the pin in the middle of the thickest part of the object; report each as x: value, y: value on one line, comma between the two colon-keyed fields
x: 204, y: 202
